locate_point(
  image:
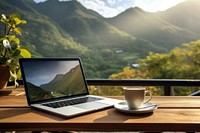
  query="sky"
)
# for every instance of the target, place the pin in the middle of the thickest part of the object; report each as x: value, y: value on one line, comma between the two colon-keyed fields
x: 43, y: 72
x: 111, y: 8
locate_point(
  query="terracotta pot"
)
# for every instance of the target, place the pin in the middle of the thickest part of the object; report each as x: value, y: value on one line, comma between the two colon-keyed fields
x: 4, y: 76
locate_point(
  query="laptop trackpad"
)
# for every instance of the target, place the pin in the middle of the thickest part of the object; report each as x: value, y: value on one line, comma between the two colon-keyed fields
x: 91, y: 105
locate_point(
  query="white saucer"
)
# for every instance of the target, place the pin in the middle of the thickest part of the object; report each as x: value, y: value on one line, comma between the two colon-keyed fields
x: 146, y: 108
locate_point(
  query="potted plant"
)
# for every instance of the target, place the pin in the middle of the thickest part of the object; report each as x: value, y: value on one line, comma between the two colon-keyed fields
x: 10, y: 49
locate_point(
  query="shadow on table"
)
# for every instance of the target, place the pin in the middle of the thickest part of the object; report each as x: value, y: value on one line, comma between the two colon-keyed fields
x: 114, y: 115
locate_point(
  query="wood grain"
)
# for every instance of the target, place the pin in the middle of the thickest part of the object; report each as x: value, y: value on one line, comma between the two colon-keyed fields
x: 175, y: 113
x: 107, y: 120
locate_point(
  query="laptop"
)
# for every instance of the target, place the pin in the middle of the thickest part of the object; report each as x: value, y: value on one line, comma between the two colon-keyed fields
x: 58, y: 85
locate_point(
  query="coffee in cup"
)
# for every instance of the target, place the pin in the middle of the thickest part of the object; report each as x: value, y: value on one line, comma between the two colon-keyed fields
x: 135, y: 96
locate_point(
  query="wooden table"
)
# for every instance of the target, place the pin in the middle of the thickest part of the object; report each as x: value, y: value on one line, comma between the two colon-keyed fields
x: 173, y: 114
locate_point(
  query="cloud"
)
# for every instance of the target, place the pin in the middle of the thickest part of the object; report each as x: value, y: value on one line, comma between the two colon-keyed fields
x: 111, y: 2
x: 37, y: 1
x: 101, y: 7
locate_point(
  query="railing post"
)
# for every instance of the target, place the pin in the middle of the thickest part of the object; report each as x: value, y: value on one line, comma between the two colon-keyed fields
x: 167, y: 90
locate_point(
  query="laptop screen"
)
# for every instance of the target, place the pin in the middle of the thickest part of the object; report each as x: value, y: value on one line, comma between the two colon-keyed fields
x: 52, y: 78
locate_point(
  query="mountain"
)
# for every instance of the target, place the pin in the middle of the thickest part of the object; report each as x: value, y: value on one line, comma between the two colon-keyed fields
x: 69, y: 83
x: 100, y: 37
x: 152, y: 27
x: 36, y: 93
x: 106, y: 45
x: 86, y: 26
x: 41, y: 35
x: 184, y: 15
x: 65, y: 10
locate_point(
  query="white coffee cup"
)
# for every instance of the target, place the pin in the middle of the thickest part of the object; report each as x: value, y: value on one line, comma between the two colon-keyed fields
x: 135, y: 96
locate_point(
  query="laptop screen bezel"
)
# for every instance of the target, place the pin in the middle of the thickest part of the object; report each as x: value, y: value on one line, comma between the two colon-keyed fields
x: 22, y: 60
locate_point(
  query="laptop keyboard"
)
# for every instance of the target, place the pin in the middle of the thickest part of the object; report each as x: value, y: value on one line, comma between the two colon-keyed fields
x: 71, y: 102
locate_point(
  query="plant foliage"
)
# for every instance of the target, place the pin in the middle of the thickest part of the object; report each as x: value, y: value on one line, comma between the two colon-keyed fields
x: 10, y: 49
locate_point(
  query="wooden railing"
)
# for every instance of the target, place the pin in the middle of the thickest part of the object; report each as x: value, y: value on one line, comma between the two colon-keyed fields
x: 166, y: 83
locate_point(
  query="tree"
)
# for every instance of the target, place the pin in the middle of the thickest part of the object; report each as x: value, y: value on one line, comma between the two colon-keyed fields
x: 180, y: 63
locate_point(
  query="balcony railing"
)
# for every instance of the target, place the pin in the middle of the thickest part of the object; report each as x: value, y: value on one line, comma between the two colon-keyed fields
x: 166, y: 83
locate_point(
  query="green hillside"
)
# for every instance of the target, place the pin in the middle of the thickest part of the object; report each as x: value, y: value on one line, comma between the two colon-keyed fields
x: 65, y: 84
x: 191, y: 18
x: 105, y: 45
x: 36, y: 93
x: 103, y: 39
x: 87, y: 27
x: 153, y: 28
x: 41, y: 35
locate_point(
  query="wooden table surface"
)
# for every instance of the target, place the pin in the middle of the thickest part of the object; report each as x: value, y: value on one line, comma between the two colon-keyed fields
x: 174, y: 113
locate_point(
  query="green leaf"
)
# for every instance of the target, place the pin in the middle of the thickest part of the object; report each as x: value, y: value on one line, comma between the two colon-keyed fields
x: 16, y: 40
x: 14, y: 46
x: 2, y: 38
x: 17, y: 21
x: 23, y: 21
x: 11, y: 37
x: 16, y: 53
x: 18, y: 31
x: 25, y: 53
